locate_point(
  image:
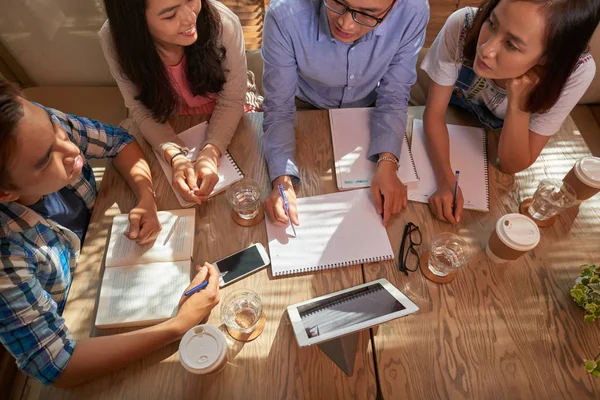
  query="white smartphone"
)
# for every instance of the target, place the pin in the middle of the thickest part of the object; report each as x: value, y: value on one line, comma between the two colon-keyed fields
x: 243, y: 263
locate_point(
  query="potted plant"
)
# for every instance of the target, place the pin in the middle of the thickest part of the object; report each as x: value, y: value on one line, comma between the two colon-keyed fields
x: 586, y: 293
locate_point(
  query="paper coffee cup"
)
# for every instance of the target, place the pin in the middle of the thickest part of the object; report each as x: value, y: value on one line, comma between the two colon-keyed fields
x: 203, y: 350
x: 515, y: 235
x: 584, y: 177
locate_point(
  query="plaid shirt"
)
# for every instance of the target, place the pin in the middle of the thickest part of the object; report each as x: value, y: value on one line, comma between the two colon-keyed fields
x: 37, y: 257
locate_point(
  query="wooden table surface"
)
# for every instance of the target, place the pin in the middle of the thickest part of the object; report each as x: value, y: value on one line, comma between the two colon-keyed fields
x: 497, y: 331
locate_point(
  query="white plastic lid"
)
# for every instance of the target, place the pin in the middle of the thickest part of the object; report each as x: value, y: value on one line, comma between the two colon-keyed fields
x: 587, y: 171
x: 518, y: 232
x: 202, y: 349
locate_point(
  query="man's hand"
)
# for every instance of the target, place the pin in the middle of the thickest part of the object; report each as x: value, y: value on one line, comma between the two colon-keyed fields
x: 144, y: 226
x: 274, y: 202
x: 197, y: 306
x: 206, y: 170
x: 389, y: 194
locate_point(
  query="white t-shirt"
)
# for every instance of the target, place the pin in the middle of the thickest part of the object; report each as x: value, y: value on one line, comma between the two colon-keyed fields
x: 444, y: 61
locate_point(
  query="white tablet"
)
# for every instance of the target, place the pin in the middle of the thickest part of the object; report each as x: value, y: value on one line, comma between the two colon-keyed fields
x: 347, y: 311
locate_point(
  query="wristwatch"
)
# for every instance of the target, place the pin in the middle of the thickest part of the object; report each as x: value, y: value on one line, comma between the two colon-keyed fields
x: 392, y: 159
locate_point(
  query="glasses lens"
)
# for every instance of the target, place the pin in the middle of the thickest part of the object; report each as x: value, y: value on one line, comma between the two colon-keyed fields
x: 364, y: 19
x: 335, y: 6
x: 415, y: 235
x: 411, y: 259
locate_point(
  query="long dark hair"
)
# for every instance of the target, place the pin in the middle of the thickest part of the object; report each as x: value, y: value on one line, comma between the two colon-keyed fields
x: 570, y: 25
x: 143, y: 66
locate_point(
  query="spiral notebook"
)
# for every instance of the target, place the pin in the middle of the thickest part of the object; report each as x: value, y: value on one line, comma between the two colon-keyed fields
x: 350, y: 129
x: 468, y: 154
x: 336, y: 230
x: 229, y: 170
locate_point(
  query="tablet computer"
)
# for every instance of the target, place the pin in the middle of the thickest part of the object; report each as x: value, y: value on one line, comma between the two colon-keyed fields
x: 348, y: 311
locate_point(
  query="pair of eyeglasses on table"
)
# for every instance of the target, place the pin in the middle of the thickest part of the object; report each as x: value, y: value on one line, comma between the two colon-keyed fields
x: 408, y: 257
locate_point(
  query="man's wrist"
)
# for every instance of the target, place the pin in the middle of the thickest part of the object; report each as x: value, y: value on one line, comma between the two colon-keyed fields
x: 285, y: 180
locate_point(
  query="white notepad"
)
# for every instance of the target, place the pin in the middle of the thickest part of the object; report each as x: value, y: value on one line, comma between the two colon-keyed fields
x: 350, y: 129
x: 229, y: 171
x: 468, y: 154
x: 336, y: 230
x: 142, y: 285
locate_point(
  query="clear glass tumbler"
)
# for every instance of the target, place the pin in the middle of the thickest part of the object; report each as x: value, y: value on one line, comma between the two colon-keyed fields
x: 244, y: 197
x: 241, y: 310
x: 447, y: 253
x: 551, y: 197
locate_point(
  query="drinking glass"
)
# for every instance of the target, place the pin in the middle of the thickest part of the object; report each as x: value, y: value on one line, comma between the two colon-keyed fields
x: 447, y: 253
x: 551, y: 197
x: 244, y: 197
x: 241, y: 310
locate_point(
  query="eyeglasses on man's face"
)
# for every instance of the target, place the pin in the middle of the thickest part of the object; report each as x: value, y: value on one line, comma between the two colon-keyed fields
x: 358, y: 16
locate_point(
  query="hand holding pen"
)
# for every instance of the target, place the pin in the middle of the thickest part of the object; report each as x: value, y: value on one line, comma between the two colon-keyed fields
x: 286, y: 206
x: 275, y: 205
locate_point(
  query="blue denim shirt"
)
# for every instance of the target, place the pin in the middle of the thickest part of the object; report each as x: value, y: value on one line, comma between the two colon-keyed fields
x: 301, y: 58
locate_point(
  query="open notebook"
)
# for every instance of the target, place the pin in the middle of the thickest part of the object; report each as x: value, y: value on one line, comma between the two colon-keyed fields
x: 468, y: 154
x: 229, y: 171
x: 142, y: 285
x: 336, y: 230
x: 350, y: 129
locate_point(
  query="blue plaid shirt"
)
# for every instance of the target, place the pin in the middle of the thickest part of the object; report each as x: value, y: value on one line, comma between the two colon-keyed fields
x: 37, y: 258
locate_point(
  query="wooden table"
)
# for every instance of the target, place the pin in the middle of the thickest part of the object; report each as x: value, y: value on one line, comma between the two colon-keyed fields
x: 506, y: 331
x: 270, y: 367
x: 497, y: 331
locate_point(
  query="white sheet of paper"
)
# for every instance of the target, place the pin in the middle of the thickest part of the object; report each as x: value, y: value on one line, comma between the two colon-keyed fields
x: 467, y: 154
x: 350, y: 128
x: 174, y: 243
x: 336, y: 230
x: 139, y: 295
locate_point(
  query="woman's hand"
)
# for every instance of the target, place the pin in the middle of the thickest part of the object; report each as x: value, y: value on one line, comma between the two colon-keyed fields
x: 184, y: 177
x: 206, y: 170
x: 441, y: 201
x: 519, y: 89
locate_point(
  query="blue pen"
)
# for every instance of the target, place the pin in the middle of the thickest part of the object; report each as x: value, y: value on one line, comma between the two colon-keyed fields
x: 286, y: 206
x: 196, y: 289
x: 456, y: 175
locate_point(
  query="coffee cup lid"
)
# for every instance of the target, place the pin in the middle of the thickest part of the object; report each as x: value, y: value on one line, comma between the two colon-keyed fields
x: 588, y: 171
x: 518, y: 232
x: 202, y: 349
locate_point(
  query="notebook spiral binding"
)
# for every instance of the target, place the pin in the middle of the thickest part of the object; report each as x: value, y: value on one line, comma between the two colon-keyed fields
x: 335, y: 265
x: 341, y: 301
x: 412, y: 160
x: 235, y: 164
x: 485, y: 170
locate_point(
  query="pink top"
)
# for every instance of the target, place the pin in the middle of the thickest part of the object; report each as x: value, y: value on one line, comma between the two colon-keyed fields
x: 188, y: 103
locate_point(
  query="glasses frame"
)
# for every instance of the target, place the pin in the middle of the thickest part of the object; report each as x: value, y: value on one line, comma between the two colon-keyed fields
x: 354, y: 12
x: 403, y: 255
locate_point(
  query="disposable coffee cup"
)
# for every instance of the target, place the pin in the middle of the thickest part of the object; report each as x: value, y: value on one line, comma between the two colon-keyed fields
x: 584, y: 177
x: 203, y: 350
x: 515, y: 235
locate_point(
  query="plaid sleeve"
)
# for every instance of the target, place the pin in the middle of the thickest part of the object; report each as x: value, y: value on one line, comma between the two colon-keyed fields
x: 95, y: 139
x: 30, y: 327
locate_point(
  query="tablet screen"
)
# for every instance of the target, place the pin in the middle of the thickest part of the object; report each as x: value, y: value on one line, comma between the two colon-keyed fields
x: 348, y: 309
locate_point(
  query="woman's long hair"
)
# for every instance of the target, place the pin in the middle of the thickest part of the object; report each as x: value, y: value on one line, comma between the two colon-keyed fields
x: 570, y: 25
x: 142, y: 65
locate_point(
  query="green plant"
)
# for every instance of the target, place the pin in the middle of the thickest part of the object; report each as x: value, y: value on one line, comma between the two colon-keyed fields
x: 593, y: 366
x: 586, y: 293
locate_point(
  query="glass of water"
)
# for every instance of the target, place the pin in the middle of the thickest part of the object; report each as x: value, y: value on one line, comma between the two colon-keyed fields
x: 551, y: 197
x: 244, y: 197
x: 241, y: 310
x: 447, y: 253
